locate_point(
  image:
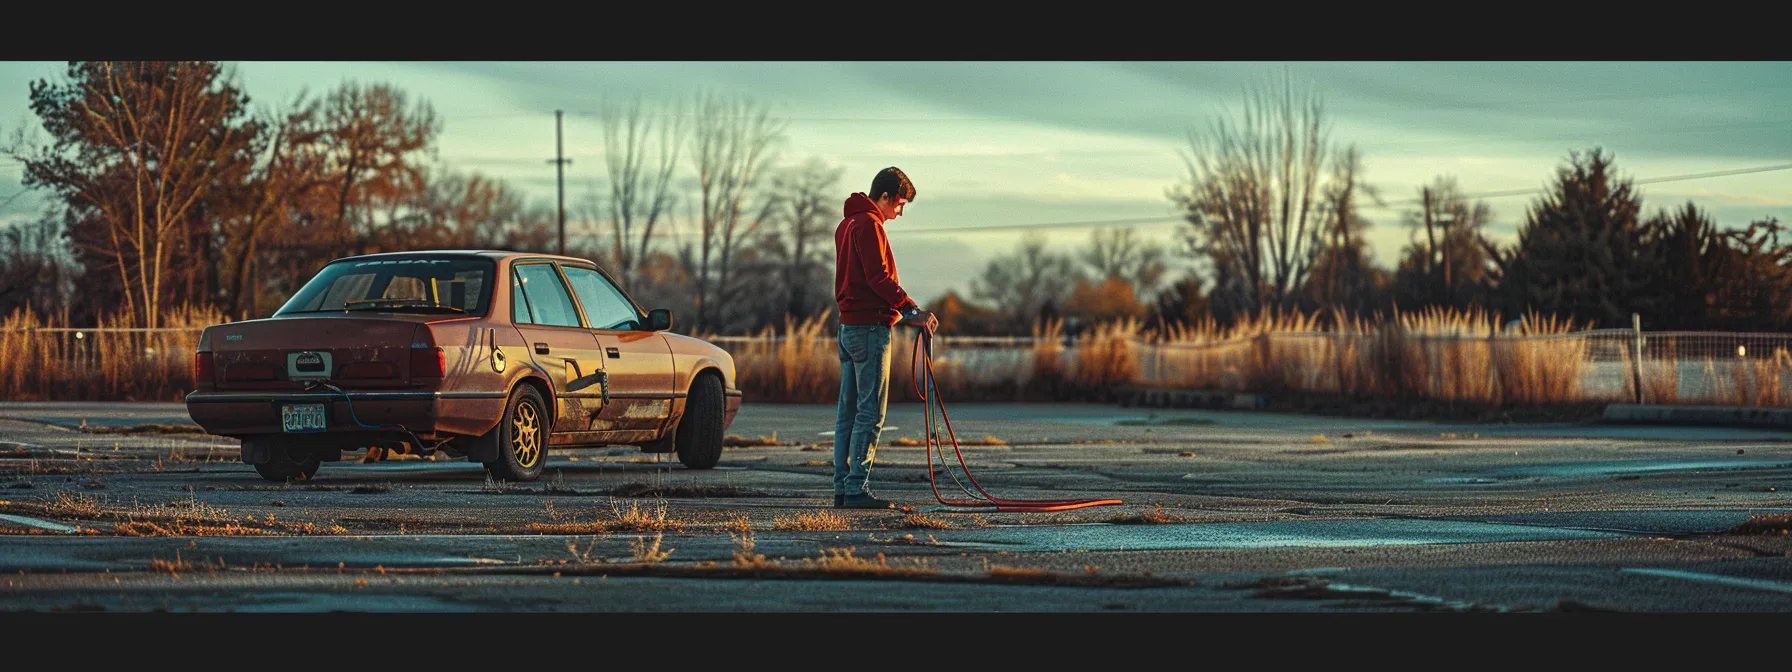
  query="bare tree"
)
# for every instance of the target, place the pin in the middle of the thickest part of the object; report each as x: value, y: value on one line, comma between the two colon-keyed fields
x: 1253, y: 193
x: 36, y: 272
x: 372, y: 141
x: 289, y: 166
x: 136, y: 146
x: 1345, y: 276
x: 1021, y: 284
x: 641, y: 150
x: 1453, y: 260
x: 1118, y: 253
x: 733, y: 143
x: 804, y: 218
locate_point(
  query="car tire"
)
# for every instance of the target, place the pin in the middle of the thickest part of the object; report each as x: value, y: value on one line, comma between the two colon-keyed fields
x: 700, y: 430
x: 288, y: 462
x: 522, y: 437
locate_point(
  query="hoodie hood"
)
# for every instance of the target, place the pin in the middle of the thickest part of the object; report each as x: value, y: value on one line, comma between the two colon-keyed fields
x: 860, y: 203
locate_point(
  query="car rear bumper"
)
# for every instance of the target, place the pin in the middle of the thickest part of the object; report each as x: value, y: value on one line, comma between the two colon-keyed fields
x: 426, y: 414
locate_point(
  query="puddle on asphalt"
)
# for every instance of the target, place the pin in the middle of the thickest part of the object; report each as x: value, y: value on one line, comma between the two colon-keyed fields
x: 38, y: 523
x: 359, y: 601
x: 1278, y: 534
x: 1758, y: 584
x: 1628, y: 467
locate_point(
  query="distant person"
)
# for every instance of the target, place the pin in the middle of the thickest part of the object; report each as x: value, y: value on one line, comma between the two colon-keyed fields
x: 871, y: 302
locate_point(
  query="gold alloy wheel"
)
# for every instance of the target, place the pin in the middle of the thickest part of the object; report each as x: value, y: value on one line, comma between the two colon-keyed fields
x: 525, y: 435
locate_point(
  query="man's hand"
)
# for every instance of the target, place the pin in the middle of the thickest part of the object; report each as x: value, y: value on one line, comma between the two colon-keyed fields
x: 922, y: 320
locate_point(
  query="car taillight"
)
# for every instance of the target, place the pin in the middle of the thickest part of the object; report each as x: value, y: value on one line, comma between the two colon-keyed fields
x: 429, y: 362
x: 202, y: 367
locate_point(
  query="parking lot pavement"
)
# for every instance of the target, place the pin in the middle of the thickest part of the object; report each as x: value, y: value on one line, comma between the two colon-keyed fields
x: 1220, y: 511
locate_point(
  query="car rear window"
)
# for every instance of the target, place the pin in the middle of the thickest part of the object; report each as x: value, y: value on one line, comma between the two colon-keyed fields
x: 445, y: 282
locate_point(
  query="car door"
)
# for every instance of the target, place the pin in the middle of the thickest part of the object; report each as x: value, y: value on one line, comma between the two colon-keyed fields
x: 560, y: 345
x: 638, y: 359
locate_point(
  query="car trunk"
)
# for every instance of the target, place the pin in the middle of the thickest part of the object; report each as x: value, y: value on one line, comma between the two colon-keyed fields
x: 366, y: 351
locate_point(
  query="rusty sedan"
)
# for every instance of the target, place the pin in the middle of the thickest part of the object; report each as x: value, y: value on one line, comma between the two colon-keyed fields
x: 493, y: 356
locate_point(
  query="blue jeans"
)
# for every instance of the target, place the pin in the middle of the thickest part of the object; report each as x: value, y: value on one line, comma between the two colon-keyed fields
x: 864, y: 397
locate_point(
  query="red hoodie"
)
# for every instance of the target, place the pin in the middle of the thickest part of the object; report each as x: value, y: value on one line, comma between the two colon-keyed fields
x: 865, y: 282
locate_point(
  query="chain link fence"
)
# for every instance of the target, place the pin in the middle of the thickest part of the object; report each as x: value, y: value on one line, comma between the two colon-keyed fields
x: 1601, y: 365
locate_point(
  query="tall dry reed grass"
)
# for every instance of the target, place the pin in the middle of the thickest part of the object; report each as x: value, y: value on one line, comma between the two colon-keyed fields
x: 1458, y: 356
x: 99, y: 365
x: 1455, y: 356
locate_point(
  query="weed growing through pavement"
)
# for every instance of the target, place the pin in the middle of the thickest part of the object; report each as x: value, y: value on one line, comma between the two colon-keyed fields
x: 557, y: 485
x: 76, y: 505
x: 583, y: 556
x: 922, y: 520
x: 744, y: 557
x: 649, y: 552
x: 813, y: 521
x: 637, y: 519
x: 739, y: 523
x: 495, y: 485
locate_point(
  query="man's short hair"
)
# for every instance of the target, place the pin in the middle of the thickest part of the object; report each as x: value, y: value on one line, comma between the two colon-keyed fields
x: 894, y: 182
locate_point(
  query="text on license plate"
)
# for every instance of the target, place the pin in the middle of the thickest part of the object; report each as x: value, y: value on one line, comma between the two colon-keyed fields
x: 302, y: 417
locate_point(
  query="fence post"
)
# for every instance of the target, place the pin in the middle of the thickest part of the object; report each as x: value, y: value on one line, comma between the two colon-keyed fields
x: 1636, y: 359
x: 1493, y: 366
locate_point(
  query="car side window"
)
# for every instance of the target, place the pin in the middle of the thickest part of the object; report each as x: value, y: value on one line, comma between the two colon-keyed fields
x: 605, y: 306
x: 519, y: 304
x: 549, y: 304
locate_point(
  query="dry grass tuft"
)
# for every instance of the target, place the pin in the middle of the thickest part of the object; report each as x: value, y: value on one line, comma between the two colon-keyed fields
x: 649, y: 519
x: 744, y: 557
x: 842, y: 559
x: 924, y: 521
x: 144, y: 528
x: 569, y: 527
x: 76, y: 505
x: 813, y: 521
x: 739, y: 523
x: 649, y: 551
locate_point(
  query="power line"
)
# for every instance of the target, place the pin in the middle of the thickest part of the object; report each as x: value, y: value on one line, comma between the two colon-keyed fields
x: 1652, y: 180
x: 1576, y: 137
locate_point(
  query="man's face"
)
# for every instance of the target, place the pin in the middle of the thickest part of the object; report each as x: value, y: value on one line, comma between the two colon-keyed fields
x: 891, y: 206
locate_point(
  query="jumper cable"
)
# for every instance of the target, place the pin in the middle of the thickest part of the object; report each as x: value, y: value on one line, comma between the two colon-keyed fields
x: 979, y: 501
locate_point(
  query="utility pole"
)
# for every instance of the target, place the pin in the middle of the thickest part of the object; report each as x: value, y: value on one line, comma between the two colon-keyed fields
x: 560, y: 162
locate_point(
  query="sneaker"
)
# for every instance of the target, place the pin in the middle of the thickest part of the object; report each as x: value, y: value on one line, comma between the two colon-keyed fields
x: 864, y: 500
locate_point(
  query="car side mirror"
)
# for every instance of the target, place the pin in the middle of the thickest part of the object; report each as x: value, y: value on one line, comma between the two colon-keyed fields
x: 659, y: 319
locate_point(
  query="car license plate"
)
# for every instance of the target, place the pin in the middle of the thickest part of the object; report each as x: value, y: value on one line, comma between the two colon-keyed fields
x: 302, y: 417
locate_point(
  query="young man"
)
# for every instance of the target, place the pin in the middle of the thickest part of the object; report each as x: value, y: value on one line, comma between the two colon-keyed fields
x: 871, y: 302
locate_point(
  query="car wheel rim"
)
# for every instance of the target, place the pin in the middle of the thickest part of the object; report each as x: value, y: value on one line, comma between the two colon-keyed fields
x: 525, y: 435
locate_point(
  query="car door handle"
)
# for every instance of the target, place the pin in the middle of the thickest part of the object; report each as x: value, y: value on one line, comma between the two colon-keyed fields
x: 613, y: 353
x: 541, y: 348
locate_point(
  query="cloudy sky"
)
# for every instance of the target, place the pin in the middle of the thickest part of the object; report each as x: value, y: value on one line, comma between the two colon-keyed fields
x: 1000, y: 148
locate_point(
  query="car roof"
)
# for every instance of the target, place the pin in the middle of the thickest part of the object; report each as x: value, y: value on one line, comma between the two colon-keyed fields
x: 489, y: 254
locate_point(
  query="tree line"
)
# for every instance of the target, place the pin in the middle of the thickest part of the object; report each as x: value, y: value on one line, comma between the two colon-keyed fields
x: 172, y: 190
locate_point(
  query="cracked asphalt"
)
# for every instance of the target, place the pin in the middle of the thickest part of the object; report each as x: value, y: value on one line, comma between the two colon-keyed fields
x: 1220, y: 512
